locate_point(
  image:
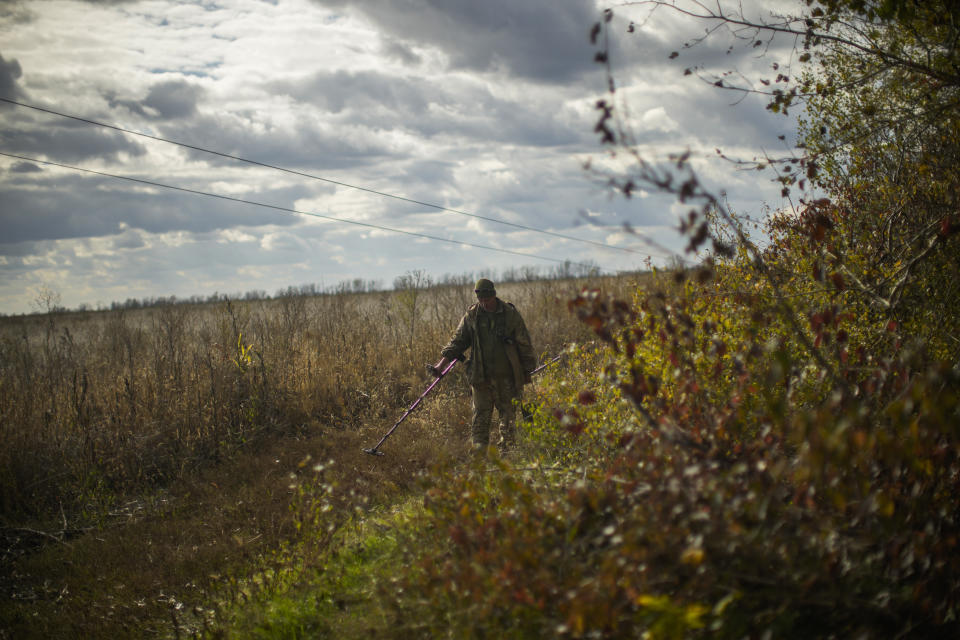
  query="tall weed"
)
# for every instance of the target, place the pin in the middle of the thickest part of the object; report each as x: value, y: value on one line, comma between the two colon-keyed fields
x: 100, y: 406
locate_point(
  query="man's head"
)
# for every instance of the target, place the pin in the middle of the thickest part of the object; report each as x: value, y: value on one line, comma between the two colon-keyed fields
x: 486, y: 293
x: 485, y: 289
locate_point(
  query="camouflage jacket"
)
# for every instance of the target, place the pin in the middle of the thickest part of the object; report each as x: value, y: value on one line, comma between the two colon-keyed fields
x: 513, y: 337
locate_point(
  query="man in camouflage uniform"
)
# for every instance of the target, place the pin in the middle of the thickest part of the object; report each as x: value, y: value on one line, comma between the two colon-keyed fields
x: 501, y: 359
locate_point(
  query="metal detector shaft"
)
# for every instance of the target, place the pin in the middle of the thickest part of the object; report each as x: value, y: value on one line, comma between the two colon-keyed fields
x: 375, y: 450
x: 545, y: 365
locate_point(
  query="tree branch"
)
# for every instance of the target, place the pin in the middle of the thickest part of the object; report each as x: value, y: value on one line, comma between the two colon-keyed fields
x: 786, y: 27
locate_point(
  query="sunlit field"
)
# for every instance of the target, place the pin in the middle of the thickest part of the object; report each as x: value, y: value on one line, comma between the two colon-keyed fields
x: 145, y: 453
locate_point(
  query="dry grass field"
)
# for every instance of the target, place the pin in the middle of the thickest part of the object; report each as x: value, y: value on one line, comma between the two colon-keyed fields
x: 146, y: 455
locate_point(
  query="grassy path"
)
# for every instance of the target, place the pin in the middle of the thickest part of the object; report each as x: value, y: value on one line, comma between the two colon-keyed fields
x: 339, y: 599
x: 193, y: 557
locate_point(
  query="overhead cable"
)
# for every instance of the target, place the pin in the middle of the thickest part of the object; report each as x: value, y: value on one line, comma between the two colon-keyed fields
x: 296, y: 211
x: 313, y: 177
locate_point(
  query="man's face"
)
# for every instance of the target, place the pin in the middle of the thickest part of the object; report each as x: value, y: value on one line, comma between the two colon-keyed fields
x: 489, y: 303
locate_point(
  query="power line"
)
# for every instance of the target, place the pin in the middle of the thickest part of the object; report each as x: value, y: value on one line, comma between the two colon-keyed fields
x: 296, y: 211
x: 313, y: 177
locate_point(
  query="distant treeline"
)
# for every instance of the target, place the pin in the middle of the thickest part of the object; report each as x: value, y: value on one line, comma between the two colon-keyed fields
x: 48, y: 302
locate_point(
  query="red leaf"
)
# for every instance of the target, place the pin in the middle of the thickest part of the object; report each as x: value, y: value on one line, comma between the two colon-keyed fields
x: 948, y: 226
x: 576, y: 428
x: 838, y: 281
x: 587, y: 397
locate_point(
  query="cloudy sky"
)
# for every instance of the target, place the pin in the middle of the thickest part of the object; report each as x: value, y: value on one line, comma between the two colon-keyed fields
x: 485, y: 108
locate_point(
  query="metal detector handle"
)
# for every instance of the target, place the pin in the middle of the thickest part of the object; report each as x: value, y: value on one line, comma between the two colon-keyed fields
x: 374, y: 451
x: 432, y: 385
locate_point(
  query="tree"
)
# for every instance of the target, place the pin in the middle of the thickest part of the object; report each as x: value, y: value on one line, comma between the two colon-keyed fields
x: 408, y: 288
x: 46, y: 300
x: 884, y: 127
x: 879, y: 85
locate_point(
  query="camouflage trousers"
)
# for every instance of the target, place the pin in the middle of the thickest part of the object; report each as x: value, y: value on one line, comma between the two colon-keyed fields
x: 500, y: 394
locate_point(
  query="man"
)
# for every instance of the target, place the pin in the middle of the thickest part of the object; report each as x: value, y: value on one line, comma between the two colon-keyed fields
x: 501, y: 358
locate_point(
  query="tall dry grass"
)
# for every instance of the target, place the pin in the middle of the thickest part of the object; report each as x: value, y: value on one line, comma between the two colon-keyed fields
x: 98, y: 407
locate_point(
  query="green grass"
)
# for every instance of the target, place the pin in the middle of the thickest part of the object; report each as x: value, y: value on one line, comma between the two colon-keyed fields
x: 340, y: 598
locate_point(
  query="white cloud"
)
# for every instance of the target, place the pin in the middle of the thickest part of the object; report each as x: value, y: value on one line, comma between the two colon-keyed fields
x: 486, y: 108
x: 658, y: 119
x: 283, y: 241
x: 236, y: 236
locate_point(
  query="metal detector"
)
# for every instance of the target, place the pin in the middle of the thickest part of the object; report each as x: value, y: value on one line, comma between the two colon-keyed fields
x: 375, y: 450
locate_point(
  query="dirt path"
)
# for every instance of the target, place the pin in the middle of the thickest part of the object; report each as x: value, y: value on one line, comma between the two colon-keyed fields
x: 172, y: 554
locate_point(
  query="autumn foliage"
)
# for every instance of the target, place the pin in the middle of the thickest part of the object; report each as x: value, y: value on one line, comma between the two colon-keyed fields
x: 767, y: 445
x: 730, y: 483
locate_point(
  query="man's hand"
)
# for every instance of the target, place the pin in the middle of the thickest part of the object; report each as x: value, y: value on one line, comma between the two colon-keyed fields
x: 436, y: 370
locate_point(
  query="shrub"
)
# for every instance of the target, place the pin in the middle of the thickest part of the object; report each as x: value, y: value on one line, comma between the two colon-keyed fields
x: 727, y: 477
